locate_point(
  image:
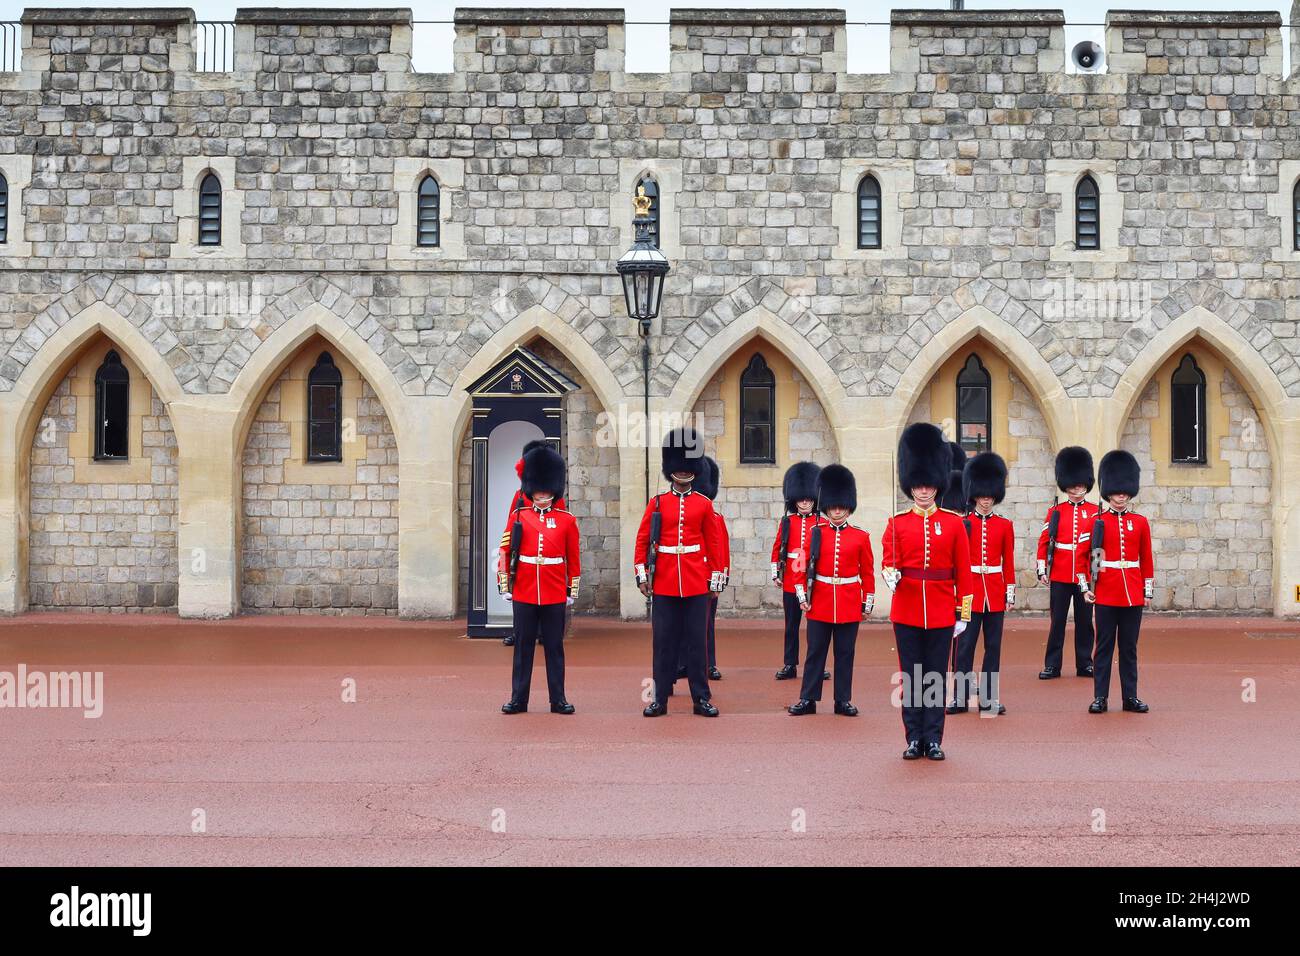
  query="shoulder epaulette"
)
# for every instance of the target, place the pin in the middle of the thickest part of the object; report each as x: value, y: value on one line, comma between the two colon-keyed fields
x: 951, y: 512
x: 898, y: 514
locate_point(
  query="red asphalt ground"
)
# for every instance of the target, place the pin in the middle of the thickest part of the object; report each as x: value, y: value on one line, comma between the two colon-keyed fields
x: 244, y: 719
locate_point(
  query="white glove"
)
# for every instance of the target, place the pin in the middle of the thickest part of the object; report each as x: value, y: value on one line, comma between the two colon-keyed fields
x: 892, y: 576
x: 775, y: 568
x: 868, y: 605
x: 641, y: 576
x: 507, y: 595
x: 1042, y: 569
x: 568, y: 602
x: 958, y: 628
x: 1149, y: 588
x: 1011, y: 595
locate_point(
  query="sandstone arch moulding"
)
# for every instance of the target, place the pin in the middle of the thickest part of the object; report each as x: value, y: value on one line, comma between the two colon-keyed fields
x: 20, y: 411
x: 1024, y: 357
x: 1257, y: 376
x: 759, y: 322
x: 537, y: 321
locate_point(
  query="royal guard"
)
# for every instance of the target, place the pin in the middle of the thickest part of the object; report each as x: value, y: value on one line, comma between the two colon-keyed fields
x: 520, y: 500
x: 837, y: 589
x: 1121, y: 580
x: 678, y: 561
x: 538, y: 574
x: 927, y: 567
x: 992, y: 549
x: 707, y: 484
x: 790, y: 552
x: 1063, y: 556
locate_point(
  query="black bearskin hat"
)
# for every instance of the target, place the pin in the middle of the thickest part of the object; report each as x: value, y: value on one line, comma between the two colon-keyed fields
x: 985, y: 476
x: 1074, y: 467
x: 836, y: 488
x: 1119, y: 473
x: 683, y: 450
x: 543, y: 471
x: 923, y: 458
x: 535, y: 443
x: 800, y: 482
x: 952, y: 498
x: 709, y: 478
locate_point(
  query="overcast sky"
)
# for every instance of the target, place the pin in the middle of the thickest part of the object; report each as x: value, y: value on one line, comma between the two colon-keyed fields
x: 648, y: 44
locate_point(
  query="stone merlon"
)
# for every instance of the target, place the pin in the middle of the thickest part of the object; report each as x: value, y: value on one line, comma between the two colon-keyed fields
x: 165, y: 16
x: 493, y: 16
x: 324, y: 17
x: 977, y: 18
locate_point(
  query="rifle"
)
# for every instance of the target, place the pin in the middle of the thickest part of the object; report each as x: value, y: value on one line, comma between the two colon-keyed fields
x: 516, y: 540
x: 785, y: 549
x: 652, y: 552
x: 1053, y: 525
x: 814, y: 552
x: 1098, y: 553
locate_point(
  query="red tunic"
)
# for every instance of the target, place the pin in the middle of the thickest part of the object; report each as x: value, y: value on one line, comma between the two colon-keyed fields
x: 844, y: 576
x: 796, y: 548
x: 993, y: 567
x: 1072, y: 536
x: 931, y: 550
x: 548, y: 555
x: 1127, y: 563
x: 689, y: 544
x: 724, y: 545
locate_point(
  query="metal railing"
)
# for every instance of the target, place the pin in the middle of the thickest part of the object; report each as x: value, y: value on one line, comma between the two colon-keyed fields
x: 214, y: 46
x: 11, y: 34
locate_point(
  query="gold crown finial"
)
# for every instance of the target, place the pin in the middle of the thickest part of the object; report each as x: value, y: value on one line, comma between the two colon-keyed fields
x: 641, y: 202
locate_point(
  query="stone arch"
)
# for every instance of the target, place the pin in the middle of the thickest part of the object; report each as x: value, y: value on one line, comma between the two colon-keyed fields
x: 101, y: 299
x: 777, y: 328
x: 263, y: 366
x: 535, y: 321
x: 340, y: 318
x: 1216, y: 525
x: 1217, y: 314
x: 537, y: 304
x: 1024, y: 357
x: 571, y: 348
x: 317, y: 537
x: 48, y: 480
x: 1247, y: 362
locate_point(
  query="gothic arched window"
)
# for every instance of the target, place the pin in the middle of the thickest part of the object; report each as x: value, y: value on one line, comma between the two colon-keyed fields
x: 869, y: 220
x: 4, y: 209
x: 427, y: 213
x: 112, y: 408
x: 757, y: 413
x: 210, y: 211
x: 974, y: 407
x: 1187, y: 413
x: 1087, y: 214
x: 325, y: 411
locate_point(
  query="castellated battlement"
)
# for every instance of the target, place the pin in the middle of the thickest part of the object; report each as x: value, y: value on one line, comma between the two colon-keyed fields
x: 711, y: 50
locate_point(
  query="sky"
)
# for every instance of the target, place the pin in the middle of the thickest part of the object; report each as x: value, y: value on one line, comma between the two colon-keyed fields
x: 647, y: 20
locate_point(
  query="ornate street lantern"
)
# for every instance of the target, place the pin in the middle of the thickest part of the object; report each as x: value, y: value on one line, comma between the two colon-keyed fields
x: 643, y: 267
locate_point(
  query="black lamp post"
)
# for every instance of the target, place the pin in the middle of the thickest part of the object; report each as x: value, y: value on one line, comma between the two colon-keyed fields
x: 642, y: 269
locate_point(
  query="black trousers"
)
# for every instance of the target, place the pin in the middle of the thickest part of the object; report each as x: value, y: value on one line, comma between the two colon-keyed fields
x: 990, y: 622
x: 533, y: 623
x: 821, y: 636
x: 793, y: 617
x: 926, y: 650
x: 1124, y: 623
x: 678, y: 625
x: 1062, y: 596
x: 710, y: 635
